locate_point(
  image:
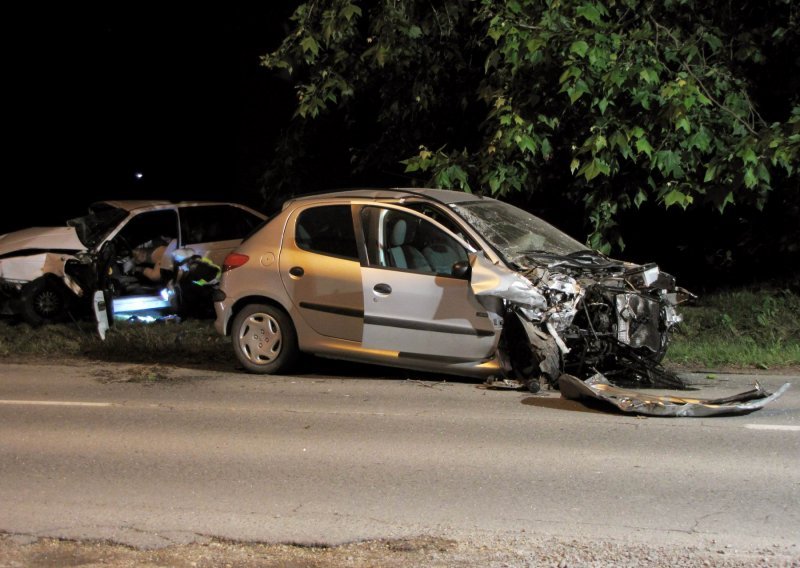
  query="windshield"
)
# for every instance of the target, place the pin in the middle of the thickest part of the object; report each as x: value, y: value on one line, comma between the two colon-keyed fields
x: 95, y: 226
x: 515, y: 232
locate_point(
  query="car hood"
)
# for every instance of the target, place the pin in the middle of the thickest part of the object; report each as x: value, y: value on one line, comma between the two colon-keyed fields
x: 40, y: 239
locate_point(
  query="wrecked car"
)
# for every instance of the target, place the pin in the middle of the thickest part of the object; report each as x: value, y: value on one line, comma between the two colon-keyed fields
x: 123, y: 255
x: 440, y: 281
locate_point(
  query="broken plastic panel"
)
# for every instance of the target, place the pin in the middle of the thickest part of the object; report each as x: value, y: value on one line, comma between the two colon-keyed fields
x: 599, y: 388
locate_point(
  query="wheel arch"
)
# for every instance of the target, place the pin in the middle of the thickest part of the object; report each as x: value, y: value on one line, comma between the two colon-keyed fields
x: 254, y: 299
x: 47, y: 281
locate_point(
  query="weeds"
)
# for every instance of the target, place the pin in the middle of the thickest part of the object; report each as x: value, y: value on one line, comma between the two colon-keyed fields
x: 192, y: 341
x: 744, y: 328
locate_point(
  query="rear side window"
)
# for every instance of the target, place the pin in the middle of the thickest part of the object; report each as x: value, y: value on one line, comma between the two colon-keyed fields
x: 211, y: 223
x: 327, y: 229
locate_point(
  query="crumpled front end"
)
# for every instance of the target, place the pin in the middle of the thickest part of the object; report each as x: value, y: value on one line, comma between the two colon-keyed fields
x: 17, y: 272
x: 590, y: 314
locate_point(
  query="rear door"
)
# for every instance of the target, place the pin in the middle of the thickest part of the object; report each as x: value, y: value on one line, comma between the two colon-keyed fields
x: 320, y: 269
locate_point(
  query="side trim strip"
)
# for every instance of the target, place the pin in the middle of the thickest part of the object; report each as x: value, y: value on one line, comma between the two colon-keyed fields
x: 426, y: 326
x: 349, y: 312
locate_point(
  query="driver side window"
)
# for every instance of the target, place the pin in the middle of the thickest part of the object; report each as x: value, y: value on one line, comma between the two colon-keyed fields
x: 402, y: 241
x: 149, y: 226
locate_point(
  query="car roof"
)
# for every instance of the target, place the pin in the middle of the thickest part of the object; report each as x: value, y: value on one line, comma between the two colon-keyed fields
x: 130, y: 204
x: 136, y: 204
x: 448, y: 196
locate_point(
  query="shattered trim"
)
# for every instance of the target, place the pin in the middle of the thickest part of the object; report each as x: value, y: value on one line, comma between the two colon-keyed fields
x: 597, y: 387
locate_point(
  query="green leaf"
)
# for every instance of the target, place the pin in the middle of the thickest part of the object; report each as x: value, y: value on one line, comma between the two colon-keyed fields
x: 527, y: 144
x: 618, y: 140
x: 600, y: 142
x: 700, y: 140
x: 649, y: 75
x: 711, y: 173
x: 574, y: 165
x: 546, y: 148
x: 594, y: 168
x: 414, y: 32
x: 534, y: 44
x: 713, y: 41
x: 669, y: 163
x: 350, y: 10
x: 640, y: 198
x: 580, y: 47
x: 763, y: 173
x: 728, y: 200
x: 676, y: 197
x: 411, y: 165
x: 309, y: 44
x: 590, y: 12
x: 683, y: 123
x: 750, y: 179
x: 577, y: 91
x: 748, y: 156
x: 643, y: 146
x: 571, y: 71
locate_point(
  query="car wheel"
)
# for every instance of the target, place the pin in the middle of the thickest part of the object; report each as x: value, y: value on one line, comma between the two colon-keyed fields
x: 264, y: 339
x: 43, y: 301
x: 658, y: 356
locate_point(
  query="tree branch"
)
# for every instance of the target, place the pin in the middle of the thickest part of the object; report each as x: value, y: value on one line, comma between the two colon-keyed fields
x: 702, y: 85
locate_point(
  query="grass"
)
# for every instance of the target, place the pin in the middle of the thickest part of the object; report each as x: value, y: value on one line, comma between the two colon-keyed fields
x: 191, y: 341
x: 748, y: 329
x: 756, y: 329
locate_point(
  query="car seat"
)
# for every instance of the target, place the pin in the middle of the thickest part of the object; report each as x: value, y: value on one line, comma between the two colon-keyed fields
x: 402, y: 253
x: 441, y: 256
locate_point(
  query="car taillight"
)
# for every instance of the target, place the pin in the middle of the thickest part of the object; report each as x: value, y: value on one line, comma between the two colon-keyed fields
x: 234, y: 260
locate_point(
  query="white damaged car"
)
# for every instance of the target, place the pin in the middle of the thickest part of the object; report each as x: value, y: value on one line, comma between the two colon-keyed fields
x: 47, y: 273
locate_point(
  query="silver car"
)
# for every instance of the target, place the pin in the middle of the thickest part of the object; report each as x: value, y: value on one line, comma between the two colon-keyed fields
x: 439, y: 281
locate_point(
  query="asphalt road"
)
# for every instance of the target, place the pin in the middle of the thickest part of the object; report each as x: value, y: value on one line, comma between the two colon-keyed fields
x: 153, y: 456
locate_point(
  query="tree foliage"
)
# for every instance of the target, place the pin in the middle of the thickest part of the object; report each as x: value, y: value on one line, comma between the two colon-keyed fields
x: 615, y: 103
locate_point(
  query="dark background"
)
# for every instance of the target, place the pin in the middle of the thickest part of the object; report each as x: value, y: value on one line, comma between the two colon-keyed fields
x: 96, y: 95
x: 175, y: 92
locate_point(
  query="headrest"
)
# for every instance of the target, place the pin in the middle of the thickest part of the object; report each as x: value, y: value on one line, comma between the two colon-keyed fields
x: 399, y: 233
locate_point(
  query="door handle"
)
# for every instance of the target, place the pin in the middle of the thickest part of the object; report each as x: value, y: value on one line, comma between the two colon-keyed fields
x: 297, y: 271
x: 382, y: 288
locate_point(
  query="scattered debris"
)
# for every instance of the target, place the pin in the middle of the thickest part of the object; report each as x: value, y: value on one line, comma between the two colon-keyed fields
x: 597, y: 387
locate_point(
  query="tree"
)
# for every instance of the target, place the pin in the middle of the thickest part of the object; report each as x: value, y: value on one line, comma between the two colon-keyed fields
x: 613, y: 104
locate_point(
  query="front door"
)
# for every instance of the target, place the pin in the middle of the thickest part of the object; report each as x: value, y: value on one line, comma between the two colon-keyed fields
x: 413, y: 303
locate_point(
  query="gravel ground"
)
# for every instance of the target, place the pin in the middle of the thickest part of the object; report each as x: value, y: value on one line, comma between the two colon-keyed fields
x: 19, y: 551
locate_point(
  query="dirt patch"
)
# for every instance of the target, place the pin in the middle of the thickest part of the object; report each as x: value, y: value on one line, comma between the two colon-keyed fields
x: 143, y: 374
x: 16, y: 551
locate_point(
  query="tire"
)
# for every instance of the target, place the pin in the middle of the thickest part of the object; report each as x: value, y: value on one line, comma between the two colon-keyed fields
x: 264, y: 339
x: 44, y: 301
x: 658, y: 356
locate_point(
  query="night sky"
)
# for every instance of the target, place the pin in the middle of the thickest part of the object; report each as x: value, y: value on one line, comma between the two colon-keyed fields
x: 94, y: 96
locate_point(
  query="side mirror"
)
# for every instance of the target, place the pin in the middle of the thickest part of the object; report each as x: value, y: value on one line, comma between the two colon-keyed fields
x: 462, y: 269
